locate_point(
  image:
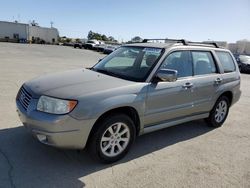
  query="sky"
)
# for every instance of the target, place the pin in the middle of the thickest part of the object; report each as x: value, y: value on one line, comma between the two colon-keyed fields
x: 196, y: 20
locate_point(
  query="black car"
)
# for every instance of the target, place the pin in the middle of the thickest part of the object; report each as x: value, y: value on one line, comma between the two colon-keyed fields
x: 243, y: 63
x: 78, y: 45
x: 110, y: 48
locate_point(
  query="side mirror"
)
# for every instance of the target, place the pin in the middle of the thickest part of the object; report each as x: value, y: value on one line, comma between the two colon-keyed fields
x: 166, y: 75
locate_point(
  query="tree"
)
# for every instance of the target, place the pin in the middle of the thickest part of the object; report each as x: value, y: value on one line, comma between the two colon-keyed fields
x: 104, y: 38
x: 68, y: 40
x: 136, y: 39
x: 111, y: 38
x: 90, y: 35
x: 98, y: 36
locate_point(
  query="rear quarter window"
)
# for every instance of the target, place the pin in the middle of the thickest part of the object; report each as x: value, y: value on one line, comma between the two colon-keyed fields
x: 226, y: 61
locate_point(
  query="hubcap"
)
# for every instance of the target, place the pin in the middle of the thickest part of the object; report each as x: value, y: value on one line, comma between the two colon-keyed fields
x: 221, y: 111
x: 115, y: 139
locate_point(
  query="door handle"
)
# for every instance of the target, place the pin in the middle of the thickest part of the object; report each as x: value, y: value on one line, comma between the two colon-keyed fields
x: 218, y: 80
x: 187, y: 85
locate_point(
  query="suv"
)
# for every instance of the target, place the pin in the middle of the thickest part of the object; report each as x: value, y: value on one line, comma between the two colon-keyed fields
x: 137, y: 89
x: 243, y: 63
x: 90, y: 44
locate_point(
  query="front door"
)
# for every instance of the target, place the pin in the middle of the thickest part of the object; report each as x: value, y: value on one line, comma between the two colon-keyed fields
x: 171, y: 100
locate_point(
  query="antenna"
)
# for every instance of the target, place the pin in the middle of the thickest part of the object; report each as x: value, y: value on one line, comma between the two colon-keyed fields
x: 51, y: 24
x: 18, y: 18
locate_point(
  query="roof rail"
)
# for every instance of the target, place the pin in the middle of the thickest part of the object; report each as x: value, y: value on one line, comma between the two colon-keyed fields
x: 205, y: 44
x: 184, y: 42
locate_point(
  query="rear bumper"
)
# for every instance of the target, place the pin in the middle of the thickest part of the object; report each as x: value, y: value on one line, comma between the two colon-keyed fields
x: 62, y: 131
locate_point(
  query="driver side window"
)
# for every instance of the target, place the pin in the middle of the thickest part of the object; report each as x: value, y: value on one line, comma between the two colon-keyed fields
x: 180, y: 61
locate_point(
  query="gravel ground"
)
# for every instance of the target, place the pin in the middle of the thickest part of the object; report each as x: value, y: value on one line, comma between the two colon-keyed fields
x: 188, y: 155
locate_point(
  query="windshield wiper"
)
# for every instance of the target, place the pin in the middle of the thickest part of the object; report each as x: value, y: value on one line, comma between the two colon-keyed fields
x: 107, y: 72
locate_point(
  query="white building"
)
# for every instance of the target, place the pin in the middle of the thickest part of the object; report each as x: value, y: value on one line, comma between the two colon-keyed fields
x: 12, y: 31
x: 243, y: 47
x: 49, y: 35
x: 233, y: 47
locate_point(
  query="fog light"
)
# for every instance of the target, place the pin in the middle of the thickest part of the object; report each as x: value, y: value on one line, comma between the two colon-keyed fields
x: 42, y: 138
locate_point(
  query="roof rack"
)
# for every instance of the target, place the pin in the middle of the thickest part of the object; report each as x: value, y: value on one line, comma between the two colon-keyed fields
x: 184, y: 42
x: 205, y: 44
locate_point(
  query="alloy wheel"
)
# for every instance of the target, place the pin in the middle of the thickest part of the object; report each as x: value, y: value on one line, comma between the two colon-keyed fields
x: 115, y: 139
x: 221, y: 111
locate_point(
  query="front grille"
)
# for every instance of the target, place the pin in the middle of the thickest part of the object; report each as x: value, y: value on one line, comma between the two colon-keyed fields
x: 24, y: 97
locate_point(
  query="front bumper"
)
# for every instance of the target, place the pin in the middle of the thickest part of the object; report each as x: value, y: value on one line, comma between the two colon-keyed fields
x: 61, y: 131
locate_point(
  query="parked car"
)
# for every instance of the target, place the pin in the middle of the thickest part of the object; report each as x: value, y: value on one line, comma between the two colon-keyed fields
x: 90, y: 44
x: 137, y: 89
x: 100, y: 47
x: 110, y: 48
x: 78, y: 45
x: 244, y: 63
x: 68, y: 44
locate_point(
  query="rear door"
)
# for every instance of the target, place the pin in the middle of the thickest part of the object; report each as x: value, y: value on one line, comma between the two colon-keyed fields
x: 207, y: 81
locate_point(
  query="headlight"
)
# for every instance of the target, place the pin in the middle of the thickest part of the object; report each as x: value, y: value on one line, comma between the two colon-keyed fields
x: 55, y: 106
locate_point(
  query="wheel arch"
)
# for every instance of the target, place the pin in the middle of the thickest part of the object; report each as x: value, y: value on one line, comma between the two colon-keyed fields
x: 127, y: 110
x: 229, y: 95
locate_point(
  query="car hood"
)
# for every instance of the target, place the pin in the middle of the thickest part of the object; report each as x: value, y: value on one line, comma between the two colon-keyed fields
x: 246, y: 62
x: 71, y: 84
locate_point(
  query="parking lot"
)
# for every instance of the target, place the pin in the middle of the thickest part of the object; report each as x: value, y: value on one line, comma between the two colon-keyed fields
x: 188, y: 155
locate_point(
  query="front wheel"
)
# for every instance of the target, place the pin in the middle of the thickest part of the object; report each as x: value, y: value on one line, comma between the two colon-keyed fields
x: 112, y: 139
x: 219, y: 112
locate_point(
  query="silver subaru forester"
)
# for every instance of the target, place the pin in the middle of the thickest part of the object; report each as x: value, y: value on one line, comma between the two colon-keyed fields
x: 137, y: 89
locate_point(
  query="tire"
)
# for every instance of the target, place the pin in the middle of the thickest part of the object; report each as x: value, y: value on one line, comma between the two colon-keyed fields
x: 103, y: 146
x: 219, y: 113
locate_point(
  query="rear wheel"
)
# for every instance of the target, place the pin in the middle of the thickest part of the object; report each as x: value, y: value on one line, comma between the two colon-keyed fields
x: 219, y: 112
x: 113, y: 138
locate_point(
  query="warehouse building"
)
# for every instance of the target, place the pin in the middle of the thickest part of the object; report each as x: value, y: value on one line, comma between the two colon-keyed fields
x: 15, y: 32
x: 12, y: 31
x: 48, y: 35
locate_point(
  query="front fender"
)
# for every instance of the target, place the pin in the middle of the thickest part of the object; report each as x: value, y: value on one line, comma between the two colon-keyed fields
x: 130, y: 100
x: 94, y: 107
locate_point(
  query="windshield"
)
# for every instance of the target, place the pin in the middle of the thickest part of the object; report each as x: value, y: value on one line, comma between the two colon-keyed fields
x: 130, y: 63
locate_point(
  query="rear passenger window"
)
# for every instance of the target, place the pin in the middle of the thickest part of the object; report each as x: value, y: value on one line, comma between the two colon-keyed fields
x: 203, y: 63
x: 226, y: 61
x: 180, y: 61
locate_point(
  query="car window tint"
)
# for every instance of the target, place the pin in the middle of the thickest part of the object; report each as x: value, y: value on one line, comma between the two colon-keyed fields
x: 226, y: 61
x: 180, y: 61
x: 203, y: 63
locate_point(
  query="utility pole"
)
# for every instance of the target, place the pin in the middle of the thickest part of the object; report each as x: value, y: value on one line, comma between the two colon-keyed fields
x: 51, y: 24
